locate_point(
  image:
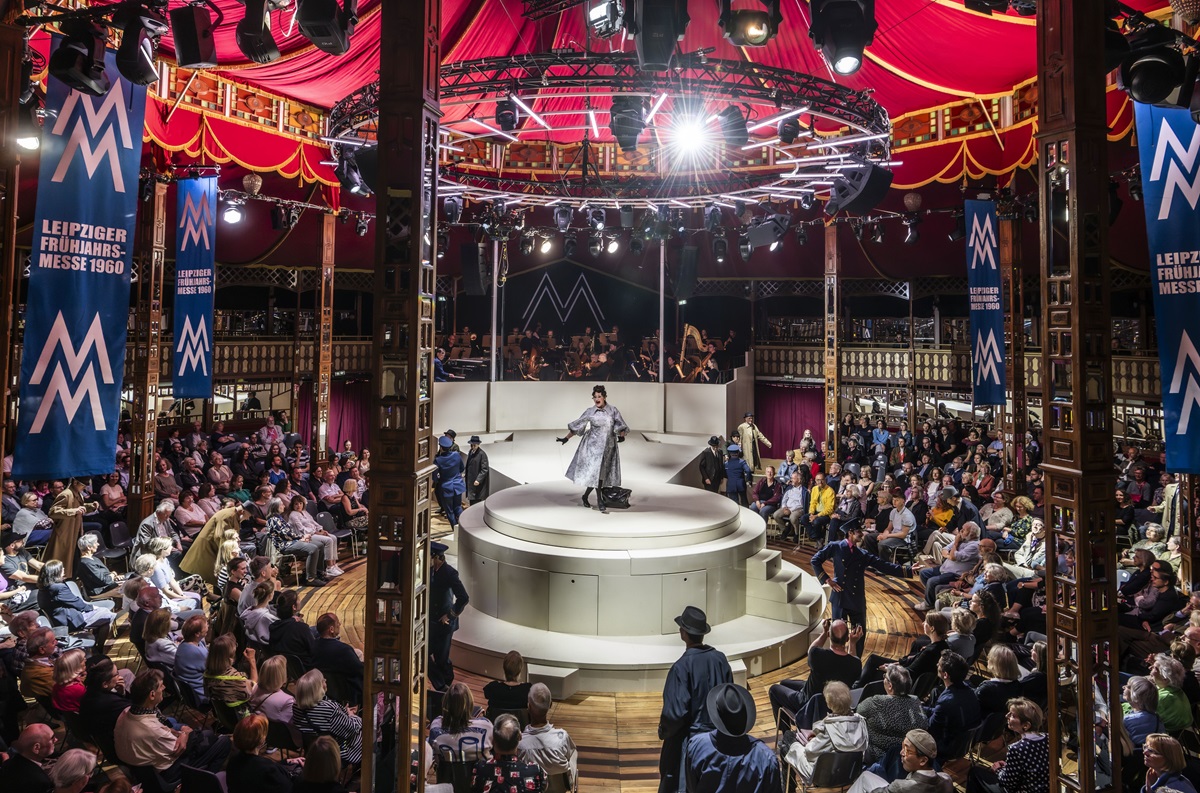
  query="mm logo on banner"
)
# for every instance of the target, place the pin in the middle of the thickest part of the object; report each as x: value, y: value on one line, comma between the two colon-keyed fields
x: 982, y: 240
x: 547, y: 291
x: 193, y: 347
x: 988, y: 358
x: 194, y: 222
x: 85, y: 386
x: 1186, y: 180
x: 89, y: 124
x: 1191, y: 395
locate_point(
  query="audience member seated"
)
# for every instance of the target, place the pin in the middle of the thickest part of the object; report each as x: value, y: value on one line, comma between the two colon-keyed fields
x: 23, y: 770
x: 161, y: 647
x: 143, y: 738
x: 270, y: 699
x: 1026, y: 767
x: 1173, y: 706
x: 1154, y: 543
x: 159, y: 524
x: 322, y: 768
x: 311, y: 531
x: 248, y: 771
x: 94, y: 577
x: 728, y: 758
x: 144, y: 598
x: 223, y: 682
x: 511, y: 693
x: 73, y: 771
x: 918, y: 754
x: 956, y: 710
x: 17, y: 565
x: 923, y: 658
x: 1034, y: 685
x: 262, y: 570
x: 289, y: 634
x: 1140, y: 709
x: 31, y: 522
x: 891, y: 715
x: 961, y: 637
x: 191, y: 656
x: 67, y: 609
x: 189, y: 516
x: 458, y: 732
x: 69, y: 670
x: 995, y: 693
x: 334, y: 657
x: 840, y: 731
x: 1165, y: 763
x: 104, y: 697
x: 546, y: 746
x: 287, y: 539
x: 958, y: 557
x: 825, y: 664
x: 257, y: 621
x: 506, y: 772
x: 314, y: 714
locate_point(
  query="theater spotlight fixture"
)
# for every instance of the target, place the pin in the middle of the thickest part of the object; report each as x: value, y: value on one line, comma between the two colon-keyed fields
x: 443, y: 242
x: 744, y: 247
x: 720, y: 249
x: 143, y: 27
x: 349, y: 175
x: 192, y: 29
x: 29, y: 127
x: 562, y: 218
x: 454, y: 206
x: 789, y: 130
x: 877, y: 233
x: 527, y: 246
x: 959, y: 229
x: 361, y: 226
x: 733, y: 126
x: 636, y: 246
x: 841, y: 30
x: 253, y: 33
x: 613, y: 244
x: 545, y: 246
x: 1030, y: 212
x: 233, y: 212
x: 656, y: 26
x: 802, y: 235
x: 861, y: 186
x: 911, y: 234
x: 507, y: 115
x: 1156, y: 73
x: 279, y: 217
x: 807, y: 201
x: 626, y: 120
x: 327, y: 25
x: 596, y: 219
x: 79, y: 60
x: 712, y: 218
x: 595, y: 243
x: 569, y: 246
x: 750, y: 27
x: 607, y: 18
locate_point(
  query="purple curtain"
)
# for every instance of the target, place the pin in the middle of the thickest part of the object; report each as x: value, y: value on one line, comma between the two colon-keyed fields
x: 784, y: 412
x: 349, y: 409
x: 304, y: 412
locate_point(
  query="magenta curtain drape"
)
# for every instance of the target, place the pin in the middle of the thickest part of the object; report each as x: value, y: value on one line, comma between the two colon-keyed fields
x: 349, y: 408
x: 304, y: 412
x: 784, y: 412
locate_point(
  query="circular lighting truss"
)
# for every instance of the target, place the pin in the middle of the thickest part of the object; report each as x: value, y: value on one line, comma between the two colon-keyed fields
x: 814, y: 129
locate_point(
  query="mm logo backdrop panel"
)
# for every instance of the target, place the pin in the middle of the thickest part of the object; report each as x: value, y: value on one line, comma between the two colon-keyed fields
x: 78, y: 306
x: 987, y: 312
x: 1169, y: 150
x: 195, y: 238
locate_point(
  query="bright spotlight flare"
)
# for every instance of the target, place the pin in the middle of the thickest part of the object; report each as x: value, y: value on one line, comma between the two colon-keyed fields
x: 747, y: 27
x: 841, y: 30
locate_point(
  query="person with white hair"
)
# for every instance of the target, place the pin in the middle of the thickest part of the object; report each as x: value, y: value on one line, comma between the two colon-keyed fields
x: 545, y: 745
x: 958, y: 557
x: 287, y: 539
x: 159, y: 524
x: 73, y: 771
x: 95, y: 577
x: 155, y: 567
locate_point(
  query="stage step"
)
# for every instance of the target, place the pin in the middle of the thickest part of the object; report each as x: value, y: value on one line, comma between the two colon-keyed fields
x: 785, y: 585
x: 763, y: 565
x: 562, y: 681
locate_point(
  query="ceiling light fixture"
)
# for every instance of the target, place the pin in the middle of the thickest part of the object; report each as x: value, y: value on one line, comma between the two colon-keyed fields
x: 720, y: 249
x: 789, y: 130
x: 911, y: 234
x: 733, y: 126
x: 507, y: 115
x: 656, y: 27
x: 594, y: 244
x: 625, y: 120
x: 327, y: 25
x: 841, y: 30
x: 1156, y: 72
x: 747, y: 27
x: 569, y: 245
x: 744, y: 247
x: 79, y: 60
x: 234, y: 212
x: 606, y: 18
x: 529, y: 112
x: 597, y: 218
x: 768, y: 230
x: 636, y: 246
x: 143, y: 27
x: 361, y: 226
x: 959, y: 230
x: 562, y: 218
x: 613, y: 244
x: 253, y: 32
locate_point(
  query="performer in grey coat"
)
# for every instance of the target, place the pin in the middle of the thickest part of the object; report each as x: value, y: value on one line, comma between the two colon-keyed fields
x: 597, y: 463
x: 477, y: 472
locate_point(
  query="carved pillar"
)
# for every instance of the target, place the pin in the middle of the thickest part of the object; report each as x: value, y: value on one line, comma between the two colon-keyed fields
x: 1076, y: 386
x: 833, y: 335
x: 323, y: 349
x: 1011, y: 425
x: 1189, y: 537
x: 12, y: 49
x: 911, y: 413
x: 297, y: 371
x: 402, y: 435
x: 144, y: 339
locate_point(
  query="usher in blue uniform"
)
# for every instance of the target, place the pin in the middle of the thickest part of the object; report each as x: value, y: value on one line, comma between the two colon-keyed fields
x: 850, y: 564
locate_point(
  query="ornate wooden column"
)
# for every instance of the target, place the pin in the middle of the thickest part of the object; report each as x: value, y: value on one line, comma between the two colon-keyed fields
x: 911, y: 413
x: 12, y: 49
x: 1012, y: 421
x: 144, y: 339
x: 402, y: 435
x: 1076, y: 394
x: 1189, y: 537
x: 323, y: 348
x: 833, y: 337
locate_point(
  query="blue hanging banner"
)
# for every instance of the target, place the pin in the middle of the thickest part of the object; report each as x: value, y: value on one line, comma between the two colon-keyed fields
x: 1169, y: 150
x: 987, y: 311
x: 195, y: 240
x: 73, y: 358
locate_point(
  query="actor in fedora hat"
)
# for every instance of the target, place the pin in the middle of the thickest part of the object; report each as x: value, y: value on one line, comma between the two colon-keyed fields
x: 712, y: 465
x: 727, y: 759
x: 697, y: 672
x: 749, y: 436
x: 447, y: 599
x: 477, y: 471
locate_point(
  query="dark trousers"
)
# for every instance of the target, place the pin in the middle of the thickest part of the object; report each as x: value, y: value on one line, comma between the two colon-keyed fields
x: 715, y: 487
x: 816, y: 526
x: 790, y: 694
x: 441, y: 670
x: 205, y: 749
x: 739, y: 496
x: 872, y: 670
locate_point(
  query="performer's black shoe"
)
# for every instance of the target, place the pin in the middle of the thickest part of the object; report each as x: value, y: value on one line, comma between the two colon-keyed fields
x: 586, y: 503
x: 602, y: 509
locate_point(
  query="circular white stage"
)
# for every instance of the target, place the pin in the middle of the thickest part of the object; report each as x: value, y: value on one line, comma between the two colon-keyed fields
x: 590, y: 598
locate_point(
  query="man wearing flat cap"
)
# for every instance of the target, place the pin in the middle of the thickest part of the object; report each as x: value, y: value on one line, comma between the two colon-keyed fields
x: 917, y: 754
x: 701, y: 669
x: 712, y: 466
x: 447, y: 599
x: 477, y: 471
x: 748, y: 437
x: 728, y: 759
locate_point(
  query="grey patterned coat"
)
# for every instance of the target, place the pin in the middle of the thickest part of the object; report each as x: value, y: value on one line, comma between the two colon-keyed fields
x: 597, y: 460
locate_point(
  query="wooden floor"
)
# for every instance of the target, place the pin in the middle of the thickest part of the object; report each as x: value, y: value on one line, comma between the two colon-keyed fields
x: 616, y: 733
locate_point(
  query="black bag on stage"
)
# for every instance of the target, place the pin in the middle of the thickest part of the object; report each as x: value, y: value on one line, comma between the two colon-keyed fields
x: 617, y: 497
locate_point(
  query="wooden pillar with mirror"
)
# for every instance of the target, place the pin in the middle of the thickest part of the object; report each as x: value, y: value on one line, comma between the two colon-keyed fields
x: 402, y: 438
x: 323, y: 346
x: 1081, y: 596
x: 145, y: 338
x: 833, y: 336
x: 1012, y: 418
x: 12, y: 52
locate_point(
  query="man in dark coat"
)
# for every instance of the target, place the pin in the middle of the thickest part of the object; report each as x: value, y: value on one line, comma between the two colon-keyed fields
x: 728, y: 760
x: 844, y: 565
x: 23, y: 770
x: 712, y: 466
x: 477, y: 471
x: 697, y: 672
x: 447, y: 599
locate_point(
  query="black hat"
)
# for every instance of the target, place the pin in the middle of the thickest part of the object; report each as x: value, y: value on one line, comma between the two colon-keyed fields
x: 451, y: 433
x: 475, y: 439
x: 438, y: 548
x: 713, y: 440
x: 749, y: 414
x: 693, y: 621
x: 731, y: 709
x: 8, y: 538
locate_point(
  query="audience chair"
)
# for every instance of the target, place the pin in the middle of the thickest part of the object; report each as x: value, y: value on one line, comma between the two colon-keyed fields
x: 924, y: 685
x: 871, y: 689
x: 455, y: 766
x: 122, y: 543
x: 833, y: 770
x: 187, y: 698
x: 284, y: 737
x: 198, y: 780
x: 559, y: 783
x: 172, y: 696
x: 522, y: 715
x: 329, y: 524
x: 227, y: 717
x: 150, y: 779
x: 991, y: 729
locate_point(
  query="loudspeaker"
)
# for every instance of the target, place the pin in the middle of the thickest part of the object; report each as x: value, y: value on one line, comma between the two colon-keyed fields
x: 194, y: 45
x: 685, y: 281
x: 860, y: 188
x: 657, y: 26
x: 474, y: 269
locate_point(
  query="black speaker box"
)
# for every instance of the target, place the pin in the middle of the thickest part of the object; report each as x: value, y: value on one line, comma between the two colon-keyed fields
x: 193, y: 31
x: 859, y: 189
x: 474, y: 269
x: 685, y: 281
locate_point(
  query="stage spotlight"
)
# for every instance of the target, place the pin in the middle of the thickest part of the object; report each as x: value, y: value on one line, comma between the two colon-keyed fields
x: 453, y: 211
x: 1135, y: 187
x: 959, y: 230
x: 720, y: 249
x: 626, y: 120
x: 768, y: 231
x: 253, y: 33
x: 327, y: 25
x: 1155, y: 72
x: 569, y: 245
x: 361, y: 226
x: 750, y: 28
x: 678, y: 224
x: 279, y: 217
x: 1030, y: 212
x: 562, y: 218
x: 594, y: 244
x: 143, y: 27
x: 613, y: 244
x: 507, y: 115
x: 877, y: 234
x: 626, y: 217
x: 986, y: 6
x: 79, y: 60
x: 233, y: 212
x: 29, y: 127
x: 349, y: 175
x: 636, y: 246
x: 857, y: 228
x: 1116, y: 46
x: 807, y: 201
x: 1114, y: 202
x: 859, y: 188
x: 527, y: 246
x: 443, y: 242
x: 911, y: 234
x: 293, y: 215
x: 656, y: 26
x: 545, y: 246
x: 789, y: 130
x: 802, y: 235
x: 606, y: 18
x: 841, y: 30
x: 712, y: 217
x: 744, y: 247
x: 597, y: 218
x: 733, y: 126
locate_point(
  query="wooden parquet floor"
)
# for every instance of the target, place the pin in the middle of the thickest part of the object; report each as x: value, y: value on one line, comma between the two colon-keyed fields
x: 616, y: 733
